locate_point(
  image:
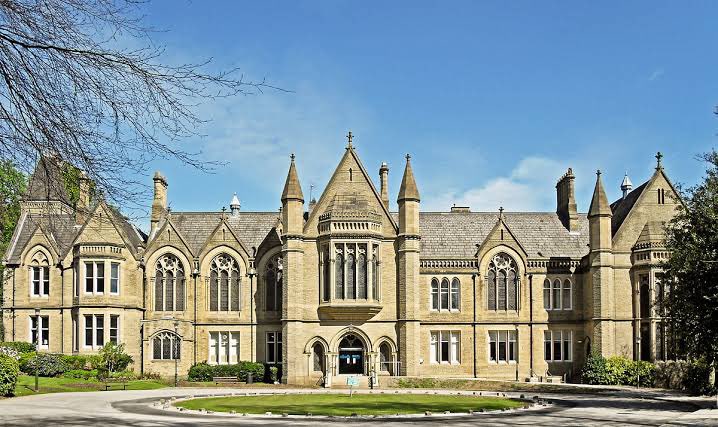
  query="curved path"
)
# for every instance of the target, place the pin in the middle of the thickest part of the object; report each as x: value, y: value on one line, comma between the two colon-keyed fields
x: 135, y: 408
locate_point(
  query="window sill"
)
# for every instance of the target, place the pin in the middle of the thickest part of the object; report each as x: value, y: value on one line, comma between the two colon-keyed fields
x: 40, y: 296
x: 503, y: 362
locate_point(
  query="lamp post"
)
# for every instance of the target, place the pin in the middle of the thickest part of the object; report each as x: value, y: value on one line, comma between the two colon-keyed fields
x: 38, y: 331
x: 177, y: 342
x: 251, y: 273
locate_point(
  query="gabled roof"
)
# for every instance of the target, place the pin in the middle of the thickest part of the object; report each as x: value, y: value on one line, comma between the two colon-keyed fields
x: 59, y: 228
x: 623, y: 206
x: 251, y: 228
x: 447, y: 235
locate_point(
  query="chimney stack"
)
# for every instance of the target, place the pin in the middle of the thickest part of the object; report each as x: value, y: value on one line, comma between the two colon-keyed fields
x: 159, y: 202
x: 83, y: 202
x: 384, y: 182
x: 566, y: 201
x: 234, y: 205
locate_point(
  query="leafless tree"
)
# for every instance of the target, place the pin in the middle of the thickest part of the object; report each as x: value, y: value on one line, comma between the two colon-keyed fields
x: 69, y: 87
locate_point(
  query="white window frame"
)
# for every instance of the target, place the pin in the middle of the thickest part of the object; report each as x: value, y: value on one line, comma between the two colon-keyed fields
x: 372, y: 256
x: 438, y: 291
x: 95, y: 344
x: 453, y: 340
x: 223, y: 351
x: 43, y: 324
x: 44, y: 281
x: 562, y: 337
x: 118, y: 279
x: 568, y: 289
x: 506, y: 338
x: 105, y: 283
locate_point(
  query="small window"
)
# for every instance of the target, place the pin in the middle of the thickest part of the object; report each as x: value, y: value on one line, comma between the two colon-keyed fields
x: 318, y: 357
x: 274, y: 348
x: 502, y: 346
x: 558, y: 346
x: 39, y: 275
x: 114, y: 278
x: 223, y: 348
x: 94, y: 330
x: 114, y: 329
x: 547, y: 294
x: 94, y: 277
x: 166, y: 346
x: 444, y: 347
x: 434, y: 294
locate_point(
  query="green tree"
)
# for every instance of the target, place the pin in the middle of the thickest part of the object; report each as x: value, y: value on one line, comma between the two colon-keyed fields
x: 691, y: 273
x: 12, y: 186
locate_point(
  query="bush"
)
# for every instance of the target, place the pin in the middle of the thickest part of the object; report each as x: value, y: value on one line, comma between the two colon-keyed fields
x: 617, y: 371
x: 147, y: 375
x: 95, y: 361
x: 114, y: 358
x: 75, y: 361
x: 128, y: 375
x: 80, y: 374
x: 9, y: 370
x: 19, y: 346
x: 273, y: 374
x: 10, y: 352
x: 205, y: 372
x: 691, y: 376
x: 49, y: 364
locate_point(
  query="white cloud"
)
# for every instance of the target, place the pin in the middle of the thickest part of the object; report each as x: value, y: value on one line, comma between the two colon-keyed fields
x: 530, y: 186
x: 656, y: 74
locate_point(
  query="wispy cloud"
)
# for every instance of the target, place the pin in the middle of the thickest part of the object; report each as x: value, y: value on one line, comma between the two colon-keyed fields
x: 656, y: 74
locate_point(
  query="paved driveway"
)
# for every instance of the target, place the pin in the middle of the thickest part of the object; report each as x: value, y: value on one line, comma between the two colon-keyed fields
x: 134, y: 408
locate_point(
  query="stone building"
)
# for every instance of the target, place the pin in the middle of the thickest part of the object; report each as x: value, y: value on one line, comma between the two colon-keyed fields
x: 342, y: 285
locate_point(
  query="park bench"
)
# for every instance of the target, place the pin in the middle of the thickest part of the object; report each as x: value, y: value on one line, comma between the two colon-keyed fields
x: 109, y: 382
x: 225, y: 380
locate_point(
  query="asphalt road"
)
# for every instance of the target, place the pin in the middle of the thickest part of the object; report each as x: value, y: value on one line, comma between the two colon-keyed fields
x: 135, y: 408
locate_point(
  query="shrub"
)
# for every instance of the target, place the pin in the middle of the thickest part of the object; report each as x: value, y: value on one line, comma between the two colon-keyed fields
x: 20, y: 346
x: 80, y: 374
x: 595, y: 370
x: 617, y: 371
x: 10, y: 352
x: 205, y: 372
x: 273, y: 374
x: 95, y: 361
x: 642, y: 371
x: 201, y: 372
x: 128, y: 375
x: 49, y: 364
x: 75, y: 361
x: 9, y: 371
x: 147, y: 375
x: 114, y: 358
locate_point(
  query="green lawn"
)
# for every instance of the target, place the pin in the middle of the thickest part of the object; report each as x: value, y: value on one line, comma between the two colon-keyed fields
x: 26, y: 385
x: 343, y: 405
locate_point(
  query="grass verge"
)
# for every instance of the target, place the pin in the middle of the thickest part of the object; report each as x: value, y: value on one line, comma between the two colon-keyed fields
x: 490, y: 385
x: 343, y: 405
x: 26, y: 385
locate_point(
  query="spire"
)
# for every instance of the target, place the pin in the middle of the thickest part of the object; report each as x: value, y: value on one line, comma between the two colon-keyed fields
x: 408, y: 189
x: 626, y: 185
x: 599, y: 202
x: 234, y: 205
x: 292, y: 189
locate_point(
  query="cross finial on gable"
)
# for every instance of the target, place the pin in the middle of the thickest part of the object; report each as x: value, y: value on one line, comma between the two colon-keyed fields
x: 659, y: 157
x: 501, y: 212
x: 224, y: 208
x: 408, y: 157
x: 292, y: 156
x: 350, y: 137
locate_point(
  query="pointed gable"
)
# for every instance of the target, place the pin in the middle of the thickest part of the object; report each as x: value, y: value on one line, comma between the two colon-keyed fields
x: 350, y: 181
x: 106, y: 225
x: 501, y: 234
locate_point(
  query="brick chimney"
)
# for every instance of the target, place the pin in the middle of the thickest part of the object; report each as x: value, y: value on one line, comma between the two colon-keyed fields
x: 566, y: 201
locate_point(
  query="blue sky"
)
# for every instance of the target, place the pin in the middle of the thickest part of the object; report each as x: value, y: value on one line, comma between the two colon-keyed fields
x: 492, y: 99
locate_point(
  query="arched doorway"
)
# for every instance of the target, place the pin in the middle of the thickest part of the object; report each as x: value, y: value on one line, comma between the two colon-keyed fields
x: 351, y: 355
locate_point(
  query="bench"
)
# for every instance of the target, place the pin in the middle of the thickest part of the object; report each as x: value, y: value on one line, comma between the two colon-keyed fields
x: 109, y: 382
x: 225, y: 380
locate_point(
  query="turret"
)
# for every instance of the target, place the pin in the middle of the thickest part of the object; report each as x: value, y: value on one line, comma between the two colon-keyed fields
x: 566, y: 201
x: 384, y: 182
x: 626, y: 185
x: 159, y: 202
x: 234, y: 205
x: 408, y: 202
x: 292, y: 203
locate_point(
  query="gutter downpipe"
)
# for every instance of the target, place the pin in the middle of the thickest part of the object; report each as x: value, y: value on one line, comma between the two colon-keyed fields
x: 473, y: 278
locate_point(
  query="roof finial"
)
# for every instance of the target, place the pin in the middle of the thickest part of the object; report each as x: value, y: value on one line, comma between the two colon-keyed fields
x: 349, y: 138
x: 501, y: 212
x: 659, y: 156
x: 292, y: 156
x: 598, y: 172
x: 408, y: 157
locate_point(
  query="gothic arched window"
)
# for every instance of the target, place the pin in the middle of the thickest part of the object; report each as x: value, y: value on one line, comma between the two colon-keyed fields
x: 273, y: 284
x: 224, y: 284
x: 169, y: 284
x: 40, y: 275
x: 166, y: 346
x: 434, y: 294
x: 502, y: 283
x: 318, y: 357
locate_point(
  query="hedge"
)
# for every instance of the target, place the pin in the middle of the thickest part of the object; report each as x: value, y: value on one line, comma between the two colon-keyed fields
x: 205, y: 372
x: 19, y: 346
x: 9, y: 371
x: 691, y: 376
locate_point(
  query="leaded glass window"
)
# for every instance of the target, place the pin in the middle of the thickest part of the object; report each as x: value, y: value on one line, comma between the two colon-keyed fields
x: 502, y: 286
x: 166, y: 346
x: 224, y: 284
x: 169, y: 284
x: 273, y: 284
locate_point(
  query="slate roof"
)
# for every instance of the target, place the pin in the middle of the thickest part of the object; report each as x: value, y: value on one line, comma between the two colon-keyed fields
x: 623, y: 206
x: 60, y: 229
x: 446, y: 235
x: 250, y: 227
x: 47, y: 182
